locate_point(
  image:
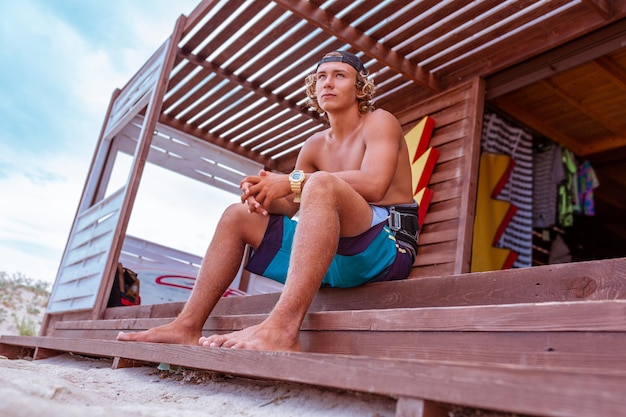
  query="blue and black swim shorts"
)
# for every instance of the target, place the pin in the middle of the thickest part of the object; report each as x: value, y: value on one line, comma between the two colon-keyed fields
x: 372, y: 256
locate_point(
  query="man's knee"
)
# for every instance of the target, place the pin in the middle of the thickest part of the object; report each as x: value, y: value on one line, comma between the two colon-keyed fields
x: 322, y: 183
x: 239, y: 222
x: 234, y: 213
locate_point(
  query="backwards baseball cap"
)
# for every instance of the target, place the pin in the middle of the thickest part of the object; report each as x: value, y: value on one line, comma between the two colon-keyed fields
x: 345, y: 57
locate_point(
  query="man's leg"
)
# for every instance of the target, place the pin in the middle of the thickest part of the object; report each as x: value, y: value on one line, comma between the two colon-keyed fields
x: 330, y: 209
x: 220, y: 265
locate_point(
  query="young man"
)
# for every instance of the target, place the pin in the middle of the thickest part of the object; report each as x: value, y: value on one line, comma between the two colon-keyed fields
x: 347, y: 181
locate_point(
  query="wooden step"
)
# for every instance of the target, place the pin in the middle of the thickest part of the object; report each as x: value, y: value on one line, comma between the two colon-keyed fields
x: 589, y: 334
x: 593, y: 280
x: 521, y: 389
x: 592, y: 316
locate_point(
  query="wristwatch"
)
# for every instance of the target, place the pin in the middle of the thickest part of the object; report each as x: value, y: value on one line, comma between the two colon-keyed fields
x: 296, y: 178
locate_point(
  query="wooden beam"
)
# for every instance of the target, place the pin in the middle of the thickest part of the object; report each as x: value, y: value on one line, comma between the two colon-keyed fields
x: 601, y: 7
x: 361, y: 41
x: 587, y: 110
x: 471, y: 156
x: 153, y: 112
x: 612, y: 70
x: 568, y: 56
x: 521, y: 389
x: 198, y: 14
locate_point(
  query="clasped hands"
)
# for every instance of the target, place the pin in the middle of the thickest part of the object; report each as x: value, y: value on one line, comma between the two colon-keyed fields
x: 260, y: 190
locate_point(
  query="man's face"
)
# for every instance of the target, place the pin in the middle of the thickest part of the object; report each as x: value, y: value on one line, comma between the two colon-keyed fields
x: 335, y: 85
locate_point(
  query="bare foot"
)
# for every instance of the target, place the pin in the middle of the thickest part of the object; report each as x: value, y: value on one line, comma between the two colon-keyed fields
x: 259, y: 337
x: 168, y: 333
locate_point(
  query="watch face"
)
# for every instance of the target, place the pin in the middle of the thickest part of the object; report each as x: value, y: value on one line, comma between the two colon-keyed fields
x: 296, y: 176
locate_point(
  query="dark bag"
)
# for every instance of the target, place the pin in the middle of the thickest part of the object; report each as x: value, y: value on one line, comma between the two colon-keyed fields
x: 125, y: 291
x: 404, y: 221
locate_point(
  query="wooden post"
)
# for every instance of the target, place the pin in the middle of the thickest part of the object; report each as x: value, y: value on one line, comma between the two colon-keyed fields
x: 416, y: 407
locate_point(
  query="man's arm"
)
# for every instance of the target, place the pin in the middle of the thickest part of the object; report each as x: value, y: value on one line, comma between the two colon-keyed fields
x: 269, y: 192
x: 264, y: 195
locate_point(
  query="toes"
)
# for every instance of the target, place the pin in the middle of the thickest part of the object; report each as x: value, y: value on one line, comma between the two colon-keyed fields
x: 240, y: 345
x: 212, y: 341
x: 229, y: 344
x: 126, y: 336
x: 217, y: 341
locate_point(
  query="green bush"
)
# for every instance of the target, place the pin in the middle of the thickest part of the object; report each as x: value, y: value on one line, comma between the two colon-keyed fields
x: 19, y: 280
x: 26, y: 295
x: 26, y: 326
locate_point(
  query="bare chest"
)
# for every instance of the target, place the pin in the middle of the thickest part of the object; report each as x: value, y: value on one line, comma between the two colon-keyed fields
x: 341, y: 156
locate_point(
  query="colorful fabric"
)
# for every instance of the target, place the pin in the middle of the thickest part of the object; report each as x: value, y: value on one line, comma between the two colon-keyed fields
x: 587, y: 181
x: 370, y: 257
x: 567, y: 191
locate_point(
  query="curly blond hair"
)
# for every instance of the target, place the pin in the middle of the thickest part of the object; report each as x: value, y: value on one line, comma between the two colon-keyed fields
x: 365, y: 90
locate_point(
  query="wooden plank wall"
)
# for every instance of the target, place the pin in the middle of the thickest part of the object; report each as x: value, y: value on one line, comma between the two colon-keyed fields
x: 446, y: 237
x: 85, y: 256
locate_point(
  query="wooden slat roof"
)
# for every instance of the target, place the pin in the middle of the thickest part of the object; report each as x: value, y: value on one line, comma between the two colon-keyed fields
x: 238, y: 79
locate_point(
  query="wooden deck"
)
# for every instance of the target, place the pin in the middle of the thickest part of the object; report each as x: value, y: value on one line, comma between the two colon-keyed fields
x: 546, y: 341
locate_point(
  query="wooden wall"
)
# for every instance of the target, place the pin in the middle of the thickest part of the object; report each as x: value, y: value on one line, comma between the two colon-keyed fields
x: 446, y: 237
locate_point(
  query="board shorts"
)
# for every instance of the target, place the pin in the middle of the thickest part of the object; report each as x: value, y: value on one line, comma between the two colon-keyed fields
x: 372, y: 256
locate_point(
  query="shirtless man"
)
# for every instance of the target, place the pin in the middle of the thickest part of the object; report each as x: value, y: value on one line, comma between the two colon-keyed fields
x: 345, y: 181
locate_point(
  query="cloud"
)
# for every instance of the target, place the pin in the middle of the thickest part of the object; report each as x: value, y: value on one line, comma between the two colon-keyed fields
x: 41, y: 108
x: 61, y: 61
x: 35, y: 219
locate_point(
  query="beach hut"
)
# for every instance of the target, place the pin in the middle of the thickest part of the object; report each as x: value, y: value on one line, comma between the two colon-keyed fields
x: 486, y: 91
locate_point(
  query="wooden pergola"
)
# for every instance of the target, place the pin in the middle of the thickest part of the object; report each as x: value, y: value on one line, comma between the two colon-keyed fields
x: 224, y: 97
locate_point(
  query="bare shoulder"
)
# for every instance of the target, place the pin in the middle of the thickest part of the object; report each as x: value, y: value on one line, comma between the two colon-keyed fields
x: 383, y: 122
x: 317, y: 136
x: 382, y: 115
x: 316, y: 139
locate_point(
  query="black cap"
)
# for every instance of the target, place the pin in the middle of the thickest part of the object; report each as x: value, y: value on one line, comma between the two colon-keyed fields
x: 345, y: 57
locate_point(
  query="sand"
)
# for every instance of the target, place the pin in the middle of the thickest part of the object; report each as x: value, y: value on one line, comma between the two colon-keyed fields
x: 70, y: 385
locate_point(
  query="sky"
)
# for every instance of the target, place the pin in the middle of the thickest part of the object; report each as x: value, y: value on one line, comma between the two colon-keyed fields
x: 60, y: 61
